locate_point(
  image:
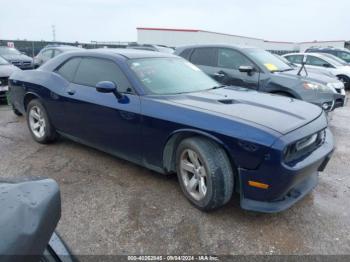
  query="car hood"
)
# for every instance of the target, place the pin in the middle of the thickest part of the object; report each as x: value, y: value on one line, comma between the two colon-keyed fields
x: 274, y: 112
x: 312, y: 76
x: 7, y: 70
x: 20, y: 57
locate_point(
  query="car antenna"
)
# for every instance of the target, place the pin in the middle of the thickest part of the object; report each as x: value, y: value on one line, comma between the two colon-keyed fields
x: 303, y: 66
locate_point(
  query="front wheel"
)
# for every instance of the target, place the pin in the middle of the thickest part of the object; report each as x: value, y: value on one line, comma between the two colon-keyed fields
x: 38, y: 122
x: 204, y: 172
x: 345, y: 80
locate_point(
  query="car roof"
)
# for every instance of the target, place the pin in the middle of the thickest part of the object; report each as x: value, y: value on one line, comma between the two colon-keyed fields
x: 62, y: 47
x: 312, y: 54
x: 328, y: 48
x: 240, y: 47
x: 130, y: 53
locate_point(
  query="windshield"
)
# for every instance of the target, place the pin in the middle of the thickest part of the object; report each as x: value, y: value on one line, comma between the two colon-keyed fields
x: 271, y: 62
x: 3, y: 61
x: 9, y: 51
x: 170, y: 75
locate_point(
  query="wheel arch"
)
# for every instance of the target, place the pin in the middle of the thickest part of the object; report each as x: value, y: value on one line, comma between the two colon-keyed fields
x: 29, y: 97
x: 174, y: 139
x: 289, y: 94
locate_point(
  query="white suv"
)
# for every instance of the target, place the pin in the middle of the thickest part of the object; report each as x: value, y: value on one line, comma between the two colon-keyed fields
x: 322, y: 62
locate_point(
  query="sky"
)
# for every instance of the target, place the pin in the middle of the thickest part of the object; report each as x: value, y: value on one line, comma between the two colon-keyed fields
x: 117, y: 20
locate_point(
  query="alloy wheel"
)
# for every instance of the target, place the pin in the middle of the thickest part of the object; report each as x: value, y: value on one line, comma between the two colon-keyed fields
x: 37, y: 122
x: 193, y: 174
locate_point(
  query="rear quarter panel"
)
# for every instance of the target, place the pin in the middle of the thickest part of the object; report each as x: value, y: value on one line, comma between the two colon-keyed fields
x: 46, y: 86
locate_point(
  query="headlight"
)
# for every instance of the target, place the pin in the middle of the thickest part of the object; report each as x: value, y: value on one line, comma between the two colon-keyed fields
x: 338, y: 85
x: 304, y: 146
x: 319, y: 87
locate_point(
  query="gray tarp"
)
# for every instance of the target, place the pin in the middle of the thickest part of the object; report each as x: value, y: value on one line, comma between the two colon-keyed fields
x: 29, y: 213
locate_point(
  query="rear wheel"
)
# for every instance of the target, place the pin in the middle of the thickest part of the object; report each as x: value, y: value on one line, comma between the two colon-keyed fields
x: 204, y: 172
x: 38, y: 122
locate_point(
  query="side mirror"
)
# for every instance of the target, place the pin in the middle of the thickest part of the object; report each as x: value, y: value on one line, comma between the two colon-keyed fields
x: 326, y: 65
x: 108, y: 87
x: 246, y: 69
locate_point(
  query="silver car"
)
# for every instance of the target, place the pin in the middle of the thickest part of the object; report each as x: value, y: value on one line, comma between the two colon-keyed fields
x: 324, y: 63
x: 6, y: 70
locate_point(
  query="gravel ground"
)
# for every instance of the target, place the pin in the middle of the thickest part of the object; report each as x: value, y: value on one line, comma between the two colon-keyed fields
x: 110, y: 206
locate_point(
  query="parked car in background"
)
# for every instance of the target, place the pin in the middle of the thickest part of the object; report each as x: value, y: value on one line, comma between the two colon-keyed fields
x: 325, y: 78
x: 162, y: 112
x: 156, y: 48
x: 322, y: 62
x: 16, y: 58
x: 259, y: 70
x: 49, y: 52
x: 6, y: 69
x: 310, y: 70
x: 341, y: 53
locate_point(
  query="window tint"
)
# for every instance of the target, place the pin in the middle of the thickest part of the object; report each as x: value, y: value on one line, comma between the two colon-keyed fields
x: 232, y: 59
x: 68, y: 69
x: 56, y: 52
x: 295, y: 59
x: 315, y: 61
x: 186, y: 53
x: 204, y: 56
x: 93, y: 70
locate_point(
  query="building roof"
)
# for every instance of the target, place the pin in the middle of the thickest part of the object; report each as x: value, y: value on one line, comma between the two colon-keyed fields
x: 204, y: 31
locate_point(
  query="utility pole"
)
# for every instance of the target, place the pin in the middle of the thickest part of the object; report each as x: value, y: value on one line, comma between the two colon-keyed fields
x: 53, y: 33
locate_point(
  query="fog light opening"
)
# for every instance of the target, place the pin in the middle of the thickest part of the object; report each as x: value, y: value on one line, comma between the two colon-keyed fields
x: 326, y: 106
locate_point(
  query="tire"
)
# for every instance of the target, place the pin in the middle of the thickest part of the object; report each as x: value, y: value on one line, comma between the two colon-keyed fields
x: 345, y: 80
x: 213, y: 170
x: 15, y: 111
x: 39, y: 124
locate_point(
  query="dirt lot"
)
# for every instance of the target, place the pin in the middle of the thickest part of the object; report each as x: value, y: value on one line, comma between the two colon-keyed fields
x: 110, y: 206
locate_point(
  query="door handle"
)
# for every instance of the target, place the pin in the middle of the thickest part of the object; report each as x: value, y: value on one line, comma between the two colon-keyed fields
x: 71, y: 92
x: 219, y: 74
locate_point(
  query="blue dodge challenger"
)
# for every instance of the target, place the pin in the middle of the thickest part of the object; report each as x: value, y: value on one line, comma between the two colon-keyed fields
x: 162, y: 112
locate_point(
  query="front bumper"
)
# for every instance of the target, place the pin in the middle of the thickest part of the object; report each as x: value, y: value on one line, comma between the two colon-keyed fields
x: 329, y: 100
x: 287, y: 184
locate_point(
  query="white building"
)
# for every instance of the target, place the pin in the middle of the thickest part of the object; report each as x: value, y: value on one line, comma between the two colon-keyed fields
x: 178, y: 37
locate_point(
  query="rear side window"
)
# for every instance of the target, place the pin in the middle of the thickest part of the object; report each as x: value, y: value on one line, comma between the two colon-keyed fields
x: 206, y: 56
x: 68, y: 69
x: 93, y: 70
x: 315, y: 61
x: 47, y: 54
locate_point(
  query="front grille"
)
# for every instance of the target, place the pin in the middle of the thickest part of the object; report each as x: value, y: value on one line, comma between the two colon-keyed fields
x: 16, y: 63
x: 293, y: 153
x: 21, y: 64
x: 4, y: 81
